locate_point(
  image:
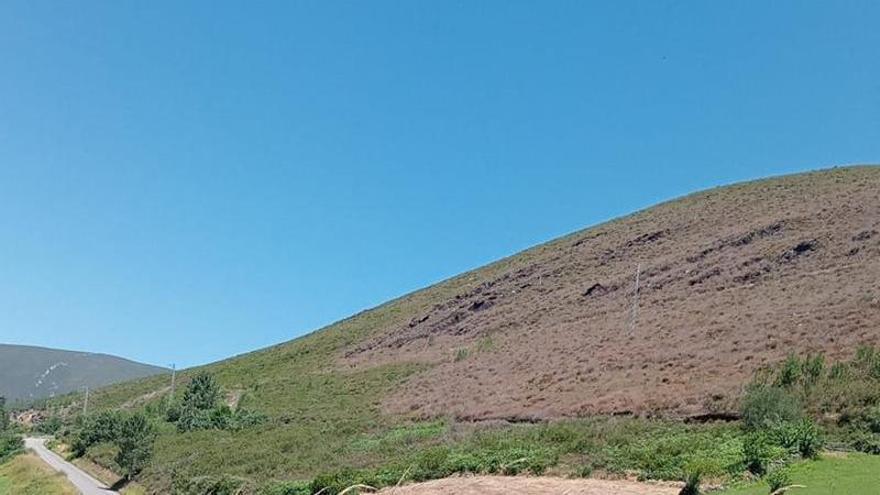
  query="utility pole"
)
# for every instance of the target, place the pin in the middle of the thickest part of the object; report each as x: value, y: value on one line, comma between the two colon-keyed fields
x: 86, y: 402
x: 635, y: 306
x: 173, y: 377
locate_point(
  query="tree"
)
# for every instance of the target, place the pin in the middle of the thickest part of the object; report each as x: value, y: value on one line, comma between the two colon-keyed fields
x: 135, y: 438
x: 202, y: 394
x: 200, y: 399
x: 101, y: 427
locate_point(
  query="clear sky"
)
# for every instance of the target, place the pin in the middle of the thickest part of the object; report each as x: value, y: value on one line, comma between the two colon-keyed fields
x: 182, y: 181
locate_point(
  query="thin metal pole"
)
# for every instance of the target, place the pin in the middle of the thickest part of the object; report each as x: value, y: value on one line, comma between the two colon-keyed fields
x: 635, y: 307
x: 173, y: 377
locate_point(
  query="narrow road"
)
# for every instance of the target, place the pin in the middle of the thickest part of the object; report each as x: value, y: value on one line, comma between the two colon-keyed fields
x: 79, y: 478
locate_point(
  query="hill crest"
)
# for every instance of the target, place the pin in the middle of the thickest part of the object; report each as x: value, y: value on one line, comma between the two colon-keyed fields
x: 32, y: 372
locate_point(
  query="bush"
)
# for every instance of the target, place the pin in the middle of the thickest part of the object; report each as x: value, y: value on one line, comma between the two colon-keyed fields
x: 333, y: 483
x: 135, y: 438
x: 778, y: 479
x: 789, y: 372
x: 50, y: 426
x: 813, y: 368
x: 758, y: 452
x: 802, y: 437
x: 765, y: 406
x: 219, y: 418
x: 10, y: 445
x: 863, y: 441
x: 287, y: 488
x: 202, y: 393
x: 218, y: 485
x: 91, y: 430
x: 871, y: 418
x: 867, y: 362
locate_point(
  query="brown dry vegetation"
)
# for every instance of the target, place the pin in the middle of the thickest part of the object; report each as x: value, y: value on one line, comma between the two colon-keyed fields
x: 502, y: 485
x: 731, y: 279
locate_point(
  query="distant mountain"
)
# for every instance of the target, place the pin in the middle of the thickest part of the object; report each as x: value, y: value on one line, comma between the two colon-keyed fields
x: 28, y: 372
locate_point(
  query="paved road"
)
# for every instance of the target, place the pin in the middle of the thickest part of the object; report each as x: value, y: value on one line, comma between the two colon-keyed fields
x: 82, y: 481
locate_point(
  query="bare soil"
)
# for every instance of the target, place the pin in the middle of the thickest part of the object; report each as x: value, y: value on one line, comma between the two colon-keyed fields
x: 730, y: 279
x: 504, y: 485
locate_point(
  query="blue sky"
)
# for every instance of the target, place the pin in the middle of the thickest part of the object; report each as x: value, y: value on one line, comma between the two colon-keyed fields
x: 183, y: 181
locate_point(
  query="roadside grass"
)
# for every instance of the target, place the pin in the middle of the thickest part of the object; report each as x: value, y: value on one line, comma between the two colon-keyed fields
x: 833, y: 474
x: 28, y: 475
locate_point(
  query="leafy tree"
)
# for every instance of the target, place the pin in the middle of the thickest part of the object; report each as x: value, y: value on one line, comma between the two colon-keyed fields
x: 98, y: 428
x: 10, y: 445
x: 202, y: 394
x: 135, y: 438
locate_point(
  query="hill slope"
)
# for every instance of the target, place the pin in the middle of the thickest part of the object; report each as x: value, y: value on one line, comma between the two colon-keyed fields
x: 730, y: 279
x: 35, y: 372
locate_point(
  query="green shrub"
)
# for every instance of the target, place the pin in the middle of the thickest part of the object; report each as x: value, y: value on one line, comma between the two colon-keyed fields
x: 50, y: 426
x: 758, y: 452
x: 871, y: 418
x: 94, y: 429
x: 135, y: 438
x: 10, y: 445
x: 335, y: 482
x: 778, y: 479
x: 867, y: 362
x: 802, y: 437
x: 764, y: 406
x: 218, y: 485
x: 864, y: 441
x: 813, y: 368
x: 790, y: 372
x: 202, y: 393
x: 288, y: 488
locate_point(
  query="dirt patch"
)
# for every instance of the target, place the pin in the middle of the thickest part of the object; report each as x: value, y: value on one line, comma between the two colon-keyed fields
x: 731, y: 279
x: 505, y: 485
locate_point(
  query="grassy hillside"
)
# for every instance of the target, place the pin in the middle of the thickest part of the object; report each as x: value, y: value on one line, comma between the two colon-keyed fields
x: 731, y: 279
x: 28, y: 373
x: 28, y: 475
